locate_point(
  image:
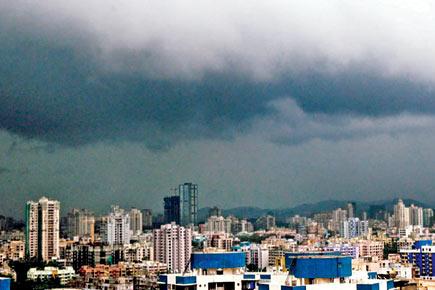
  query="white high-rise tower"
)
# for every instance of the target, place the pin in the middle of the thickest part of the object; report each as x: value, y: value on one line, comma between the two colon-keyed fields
x: 42, y: 229
x: 173, y: 246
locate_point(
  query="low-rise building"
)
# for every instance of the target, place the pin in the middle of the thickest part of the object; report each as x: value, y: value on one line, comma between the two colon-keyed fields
x: 65, y: 275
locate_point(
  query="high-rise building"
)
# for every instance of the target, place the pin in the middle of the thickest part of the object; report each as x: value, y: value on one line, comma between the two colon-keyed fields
x: 351, y: 207
x: 338, y: 216
x: 42, y: 229
x: 215, y: 211
x: 188, y: 193
x: 241, y: 226
x: 173, y: 246
x: 401, y: 215
x: 416, y: 215
x: 116, y: 227
x: 135, y: 221
x: 258, y: 255
x: 218, y: 224
x: 31, y: 218
x: 147, y: 218
x: 80, y: 223
x: 2, y: 223
x: 172, y: 209
x: 266, y: 222
x: 427, y: 217
x: 354, y: 227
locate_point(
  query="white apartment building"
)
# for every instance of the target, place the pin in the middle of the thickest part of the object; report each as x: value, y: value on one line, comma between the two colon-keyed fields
x: 42, y: 229
x: 173, y: 246
x: 65, y: 275
x: 135, y: 221
x: 218, y: 224
x: 81, y: 223
x: 116, y: 227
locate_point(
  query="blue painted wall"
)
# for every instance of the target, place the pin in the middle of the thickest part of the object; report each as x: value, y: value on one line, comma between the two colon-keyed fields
x: 218, y: 260
x: 421, y: 243
x: 185, y: 280
x: 5, y: 284
x: 424, y: 261
x: 390, y: 284
x: 319, y: 267
x: 293, y: 287
x: 263, y: 286
x: 374, y: 286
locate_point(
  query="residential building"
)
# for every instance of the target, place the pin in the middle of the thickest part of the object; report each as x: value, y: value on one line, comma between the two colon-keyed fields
x: 173, y: 246
x: 147, y: 219
x: 135, y: 221
x: 116, y: 227
x: 258, y: 255
x: 218, y: 224
x: 416, y: 215
x: 428, y: 217
x: 42, y: 229
x: 351, y: 207
x: 401, y: 215
x: 215, y: 211
x: 266, y: 222
x: 369, y: 248
x: 81, y: 223
x: 420, y: 256
x: 65, y: 275
x: 354, y: 227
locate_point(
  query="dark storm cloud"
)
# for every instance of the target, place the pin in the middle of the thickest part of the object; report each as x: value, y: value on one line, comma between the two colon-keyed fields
x: 4, y: 170
x: 70, y: 76
x: 57, y: 92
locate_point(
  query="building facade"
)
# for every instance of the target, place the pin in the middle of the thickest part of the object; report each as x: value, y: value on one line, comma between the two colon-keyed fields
x: 42, y: 229
x: 135, y: 221
x: 80, y: 223
x: 173, y: 246
x: 188, y: 193
x: 116, y: 227
x: 172, y: 209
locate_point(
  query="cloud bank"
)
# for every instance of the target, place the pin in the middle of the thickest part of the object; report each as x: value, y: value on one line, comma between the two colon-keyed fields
x: 161, y: 72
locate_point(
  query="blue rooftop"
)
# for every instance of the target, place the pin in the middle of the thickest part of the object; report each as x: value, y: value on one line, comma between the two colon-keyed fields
x: 218, y: 260
x: 312, y: 265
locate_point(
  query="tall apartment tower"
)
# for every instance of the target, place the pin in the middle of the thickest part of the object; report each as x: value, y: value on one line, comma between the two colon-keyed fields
x: 147, y: 218
x: 401, y: 215
x: 42, y: 229
x: 173, y: 246
x: 172, y: 209
x: 416, y: 215
x: 214, y: 211
x: 351, y: 208
x: 188, y: 193
x: 135, y: 221
x: 116, y: 227
x: 427, y: 217
x: 31, y: 218
x: 354, y: 227
x: 81, y: 223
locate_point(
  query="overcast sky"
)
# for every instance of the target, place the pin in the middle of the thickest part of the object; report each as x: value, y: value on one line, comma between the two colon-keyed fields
x: 262, y: 103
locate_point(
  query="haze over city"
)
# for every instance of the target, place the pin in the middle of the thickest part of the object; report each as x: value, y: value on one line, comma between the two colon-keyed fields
x: 269, y: 104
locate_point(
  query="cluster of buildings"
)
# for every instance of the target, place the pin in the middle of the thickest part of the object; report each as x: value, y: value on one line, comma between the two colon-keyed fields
x: 132, y: 249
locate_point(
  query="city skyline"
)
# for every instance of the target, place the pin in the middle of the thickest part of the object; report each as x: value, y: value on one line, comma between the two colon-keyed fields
x: 352, y: 208
x: 217, y: 145
x: 160, y: 209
